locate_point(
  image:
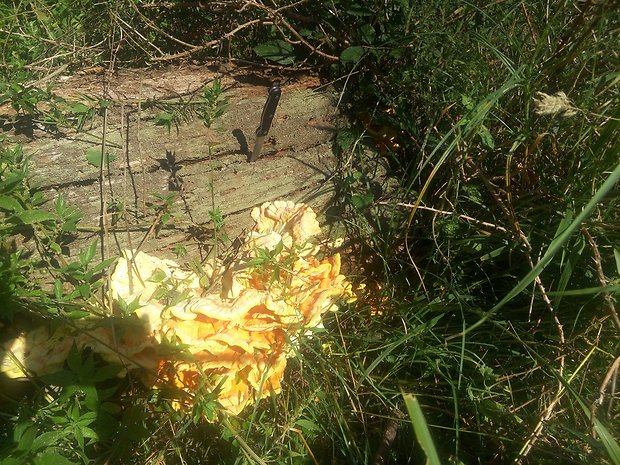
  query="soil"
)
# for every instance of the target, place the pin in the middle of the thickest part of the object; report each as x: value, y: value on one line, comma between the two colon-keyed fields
x: 203, y: 169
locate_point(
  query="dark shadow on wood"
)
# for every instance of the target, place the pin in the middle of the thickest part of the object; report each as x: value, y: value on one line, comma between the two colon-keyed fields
x: 313, y: 167
x: 243, y: 142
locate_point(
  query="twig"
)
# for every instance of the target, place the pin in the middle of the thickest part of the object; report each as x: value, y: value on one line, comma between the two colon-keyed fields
x: 247, y: 450
x: 602, y: 279
x: 280, y: 18
x: 103, y: 192
x: 140, y: 153
x: 612, y: 373
x: 153, y: 26
x: 548, y: 412
x: 611, y: 376
x: 209, y: 44
x: 389, y: 435
x: 529, y: 22
x: 277, y: 18
x: 444, y: 212
x: 130, y: 27
x: 50, y: 76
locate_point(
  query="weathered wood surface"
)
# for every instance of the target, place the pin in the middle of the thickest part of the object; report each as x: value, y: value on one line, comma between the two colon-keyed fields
x: 297, y: 162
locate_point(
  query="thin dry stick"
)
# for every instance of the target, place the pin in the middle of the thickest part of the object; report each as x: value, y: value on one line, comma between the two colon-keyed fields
x: 356, y: 408
x: 610, y: 376
x: 529, y: 22
x: 50, y: 76
x: 140, y: 154
x: 389, y: 435
x: 306, y: 445
x: 103, y: 193
x: 121, y: 22
x: 125, y: 143
x: 301, y: 39
x: 277, y: 16
x: 280, y: 19
x: 157, y: 29
x: 522, y: 237
x: 612, y: 373
x: 548, y: 413
x: 209, y: 44
x: 602, y: 279
x: 444, y: 212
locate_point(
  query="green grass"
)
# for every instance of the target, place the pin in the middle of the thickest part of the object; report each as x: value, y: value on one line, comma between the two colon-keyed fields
x: 488, y: 240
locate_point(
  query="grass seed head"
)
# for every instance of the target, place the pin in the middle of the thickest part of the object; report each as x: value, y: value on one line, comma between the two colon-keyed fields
x: 556, y: 104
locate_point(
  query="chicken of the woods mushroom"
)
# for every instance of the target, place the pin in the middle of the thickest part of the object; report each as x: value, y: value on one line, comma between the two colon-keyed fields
x: 233, y: 325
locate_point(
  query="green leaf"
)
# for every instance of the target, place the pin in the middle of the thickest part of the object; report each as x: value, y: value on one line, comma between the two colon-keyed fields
x: 58, y: 289
x: 617, y: 258
x: 94, y: 158
x: 106, y: 372
x: 55, y: 247
x: 20, y: 460
x: 79, y: 437
x: 361, y: 201
x: 157, y: 276
x: 87, y: 418
x: 164, y: 119
x: 345, y: 139
x: 38, y: 198
x: 103, y: 265
x: 276, y: 50
x: 10, y: 204
x: 89, y: 433
x: 467, y: 102
x: 422, y: 432
x: 11, y: 182
x: 84, y: 290
x: 128, y: 309
x: 48, y: 438
x: 35, y: 216
x: 52, y: 458
x: 352, y: 54
x: 91, y: 400
x: 69, y: 226
x: 77, y: 314
x: 358, y: 10
x: 24, y: 435
x: 74, y: 360
x: 78, y: 108
x: 278, y: 249
x: 308, y: 425
x: 87, y: 255
x: 368, y: 33
x: 178, y: 297
x: 486, y: 136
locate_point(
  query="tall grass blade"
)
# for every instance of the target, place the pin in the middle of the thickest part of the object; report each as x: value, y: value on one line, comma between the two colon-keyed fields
x: 609, y: 443
x: 606, y: 437
x: 420, y: 427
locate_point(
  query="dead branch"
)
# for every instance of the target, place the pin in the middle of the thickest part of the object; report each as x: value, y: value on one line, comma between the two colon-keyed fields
x: 389, y: 435
x: 546, y: 415
x: 602, y: 279
x: 210, y: 44
x: 279, y: 18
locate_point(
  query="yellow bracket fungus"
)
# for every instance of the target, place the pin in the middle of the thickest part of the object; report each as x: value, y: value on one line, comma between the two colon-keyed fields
x: 237, y: 338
